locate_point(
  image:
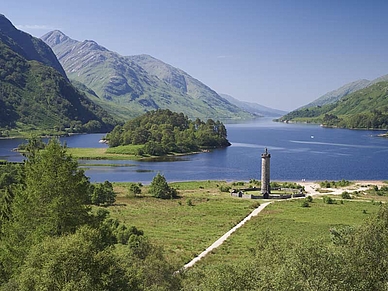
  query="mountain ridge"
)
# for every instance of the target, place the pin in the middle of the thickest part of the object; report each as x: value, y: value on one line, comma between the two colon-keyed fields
x: 34, y: 93
x: 254, y: 108
x: 138, y: 84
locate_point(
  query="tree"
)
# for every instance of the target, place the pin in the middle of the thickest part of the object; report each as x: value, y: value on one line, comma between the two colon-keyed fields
x: 134, y: 189
x: 51, y: 203
x: 159, y: 188
x: 102, y: 194
x: 75, y: 262
x: 10, y: 178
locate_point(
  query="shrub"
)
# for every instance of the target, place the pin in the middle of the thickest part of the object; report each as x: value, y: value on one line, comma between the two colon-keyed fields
x: 225, y: 188
x: 328, y: 200
x: 238, y: 183
x: 309, y: 199
x: 305, y: 204
x: 346, y: 195
x: 134, y: 189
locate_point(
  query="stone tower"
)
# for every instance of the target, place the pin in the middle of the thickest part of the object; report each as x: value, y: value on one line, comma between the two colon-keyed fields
x: 265, y: 173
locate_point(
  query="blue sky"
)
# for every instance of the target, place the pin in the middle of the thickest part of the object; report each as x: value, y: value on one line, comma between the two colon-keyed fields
x: 281, y: 54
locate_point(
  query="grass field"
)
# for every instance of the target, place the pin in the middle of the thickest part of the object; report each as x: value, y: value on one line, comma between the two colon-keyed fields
x: 100, y: 154
x: 287, y: 221
x: 188, y: 225
x: 127, y: 152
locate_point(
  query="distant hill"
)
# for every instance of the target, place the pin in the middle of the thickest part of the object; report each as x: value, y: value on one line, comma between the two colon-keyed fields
x: 35, y: 94
x: 365, y: 108
x: 254, y: 108
x: 335, y: 95
x: 132, y: 85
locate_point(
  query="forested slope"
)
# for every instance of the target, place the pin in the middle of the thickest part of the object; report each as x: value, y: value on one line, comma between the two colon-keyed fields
x: 365, y: 108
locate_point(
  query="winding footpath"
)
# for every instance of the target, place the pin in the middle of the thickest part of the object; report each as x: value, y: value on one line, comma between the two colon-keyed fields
x: 218, y: 242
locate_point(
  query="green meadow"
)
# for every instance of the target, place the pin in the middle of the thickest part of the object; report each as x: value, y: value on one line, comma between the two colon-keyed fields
x: 286, y: 222
x: 119, y: 153
x: 186, y: 226
x: 126, y: 152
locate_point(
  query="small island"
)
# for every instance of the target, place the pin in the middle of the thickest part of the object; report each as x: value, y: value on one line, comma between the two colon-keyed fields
x: 162, y: 132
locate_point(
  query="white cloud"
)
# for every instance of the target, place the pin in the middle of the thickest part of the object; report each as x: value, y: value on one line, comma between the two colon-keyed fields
x: 224, y: 57
x: 35, y: 27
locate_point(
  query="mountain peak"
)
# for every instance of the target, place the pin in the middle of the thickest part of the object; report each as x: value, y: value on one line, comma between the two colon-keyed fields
x: 55, y: 37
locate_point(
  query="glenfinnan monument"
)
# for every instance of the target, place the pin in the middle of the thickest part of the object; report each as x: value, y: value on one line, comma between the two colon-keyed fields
x: 265, y: 173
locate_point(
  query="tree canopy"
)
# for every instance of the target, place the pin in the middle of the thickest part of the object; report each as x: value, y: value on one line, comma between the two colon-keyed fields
x: 164, y: 131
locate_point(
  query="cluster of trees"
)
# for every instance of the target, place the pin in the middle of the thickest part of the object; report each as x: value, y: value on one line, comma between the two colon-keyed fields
x: 310, y: 112
x: 52, y: 239
x: 335, y: 184
x: 355, y: 259
x: 373, y: 120
x: 163, y: 131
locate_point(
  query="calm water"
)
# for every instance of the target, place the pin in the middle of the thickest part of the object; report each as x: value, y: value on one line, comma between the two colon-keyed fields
x: 297, y: 152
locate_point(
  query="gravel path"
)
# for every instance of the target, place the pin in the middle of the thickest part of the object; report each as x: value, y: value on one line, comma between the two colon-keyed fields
x: 218, y: 242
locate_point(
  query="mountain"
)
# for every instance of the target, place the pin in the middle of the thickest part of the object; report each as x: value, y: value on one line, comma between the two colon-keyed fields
x: 365, y: 108
x: 29, y: 47
x: 254, y: 108
x: 335, y: 95
x: 35, y: 93
x: 132, y: 85
x: 325, y: 103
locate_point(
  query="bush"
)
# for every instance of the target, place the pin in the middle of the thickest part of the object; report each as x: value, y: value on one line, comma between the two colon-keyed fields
x: 238, y: 184
x: 225, y: 188
x: 309, y: 199
x: 328, y: 200
x: 134, y: 189
x: 346, y: 195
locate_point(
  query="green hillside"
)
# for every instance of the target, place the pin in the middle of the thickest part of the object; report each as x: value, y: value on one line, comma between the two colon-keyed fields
x: 365, y: 108
x: 35, y: 96
x: 38, y: 98
x: 335, y: 95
